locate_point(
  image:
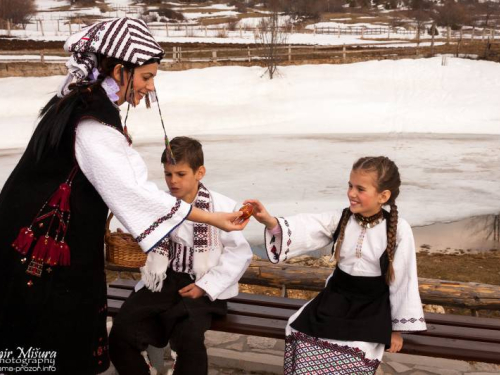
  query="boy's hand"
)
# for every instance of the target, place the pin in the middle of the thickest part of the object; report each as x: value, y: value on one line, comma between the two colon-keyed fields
x: 261, y: 215
x: 396, y: 342
x: 192, y: 291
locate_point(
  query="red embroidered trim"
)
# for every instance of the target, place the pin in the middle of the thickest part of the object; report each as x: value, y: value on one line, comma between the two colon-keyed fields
x: 299, y: 336
x: 155, y: 225
x: 411, y: 320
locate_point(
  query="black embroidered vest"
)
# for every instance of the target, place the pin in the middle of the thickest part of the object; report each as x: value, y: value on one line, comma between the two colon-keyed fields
x: 65, y: 308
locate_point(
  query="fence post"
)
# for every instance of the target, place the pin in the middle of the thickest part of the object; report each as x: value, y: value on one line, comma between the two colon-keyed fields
x: 482, y: 34
x: 362, y: 33
x: 8, y: 27
x: 174, y: 54
x: 42, y: 57
x: 179, y: 49
x: 493, y: 34
x: 58, y: 30
x: 289, y: 52
x: 388, y: 33
x: 214, y: 56
x: 241, y: 31
x: 69, y: 26
x: 343, y: 53
x: 206, y: 31
x: 314, y: 30
x: 186, y: 31
x: 339, y: 31
x: 433, y: 31
x: 166, y: 28
x: 472, y: 34
x: 41, y: 27
x: 448, y: 32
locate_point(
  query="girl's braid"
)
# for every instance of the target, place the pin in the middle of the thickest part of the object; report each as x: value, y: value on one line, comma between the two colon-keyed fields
x: 391, y: 241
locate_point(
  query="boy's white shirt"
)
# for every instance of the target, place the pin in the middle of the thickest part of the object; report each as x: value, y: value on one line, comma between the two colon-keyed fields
x: 218, y: 271
x: 120, y: 175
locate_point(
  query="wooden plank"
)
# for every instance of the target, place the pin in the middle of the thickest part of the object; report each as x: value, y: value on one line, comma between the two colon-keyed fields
x: 259, y: 311
x: 119, y: 294
x: 123, y: 283
x: 247, y: 325
x: 461, y: 333
x: 269, y: 301
x: 463, y: 321
x: 451, y: 348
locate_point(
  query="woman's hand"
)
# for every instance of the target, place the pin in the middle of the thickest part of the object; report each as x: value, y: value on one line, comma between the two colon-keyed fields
x: 396, y: 342
x: 192, y: 291
x: 261, y: 215
x: 227, y: 221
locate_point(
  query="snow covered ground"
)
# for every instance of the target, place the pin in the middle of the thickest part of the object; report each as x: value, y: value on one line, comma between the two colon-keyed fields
x: 405, y: 96
x: 291, y: 141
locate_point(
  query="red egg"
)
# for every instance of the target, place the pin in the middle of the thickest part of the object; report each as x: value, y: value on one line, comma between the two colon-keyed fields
x: 247, y: 210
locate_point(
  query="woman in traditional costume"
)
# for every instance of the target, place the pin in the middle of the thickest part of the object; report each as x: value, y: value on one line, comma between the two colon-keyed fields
x: 371, y: 296
x: 53, y: 207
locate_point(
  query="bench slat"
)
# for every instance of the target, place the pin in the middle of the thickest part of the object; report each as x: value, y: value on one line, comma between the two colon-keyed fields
x: 247, y: 325
x: 463, y: 321
x: 451, y: 348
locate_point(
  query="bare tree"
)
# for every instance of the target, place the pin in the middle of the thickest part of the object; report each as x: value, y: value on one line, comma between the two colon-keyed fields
x: 420, y: 11
x: 452, y: 14
x: 490, y: 9
x: 272, y: 34
x: 19, y: 12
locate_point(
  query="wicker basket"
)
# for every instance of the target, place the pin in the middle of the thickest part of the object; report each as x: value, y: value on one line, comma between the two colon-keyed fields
x: 122, y: 249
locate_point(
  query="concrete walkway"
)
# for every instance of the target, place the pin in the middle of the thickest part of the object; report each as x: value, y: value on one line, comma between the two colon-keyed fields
x: 240, y: 354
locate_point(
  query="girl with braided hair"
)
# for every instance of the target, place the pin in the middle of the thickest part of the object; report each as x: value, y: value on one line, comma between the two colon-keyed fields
x: 371, y: 296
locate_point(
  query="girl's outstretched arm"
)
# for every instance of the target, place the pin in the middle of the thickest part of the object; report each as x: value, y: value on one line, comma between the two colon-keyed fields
x: 286, y: 237
x: 261, y: 215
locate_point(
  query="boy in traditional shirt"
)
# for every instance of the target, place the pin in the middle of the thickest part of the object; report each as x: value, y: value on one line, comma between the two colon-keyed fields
x: 185, y: 281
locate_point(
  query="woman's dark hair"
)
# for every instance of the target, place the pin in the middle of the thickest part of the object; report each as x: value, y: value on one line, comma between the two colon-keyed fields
x: 56, y: 114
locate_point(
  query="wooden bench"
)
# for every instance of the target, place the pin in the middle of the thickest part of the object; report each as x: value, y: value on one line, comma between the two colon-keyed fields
x: 448, y: 336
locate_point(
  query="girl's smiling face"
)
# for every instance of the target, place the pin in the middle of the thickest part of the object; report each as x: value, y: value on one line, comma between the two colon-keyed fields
x: 364, y: 198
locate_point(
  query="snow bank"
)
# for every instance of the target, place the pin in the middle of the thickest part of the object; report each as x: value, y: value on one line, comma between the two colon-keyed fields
x: 405, y: 96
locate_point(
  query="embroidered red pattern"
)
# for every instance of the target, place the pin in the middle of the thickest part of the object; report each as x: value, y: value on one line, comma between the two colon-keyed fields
x: 155, y: 225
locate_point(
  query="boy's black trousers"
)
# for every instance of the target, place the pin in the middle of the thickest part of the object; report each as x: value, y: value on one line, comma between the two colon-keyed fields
x: 156, y: 318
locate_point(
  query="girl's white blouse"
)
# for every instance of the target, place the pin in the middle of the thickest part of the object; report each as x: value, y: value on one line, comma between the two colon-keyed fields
x: 308, y: 232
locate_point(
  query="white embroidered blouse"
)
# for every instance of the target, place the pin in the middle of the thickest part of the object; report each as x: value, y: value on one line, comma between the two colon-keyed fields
x: 307, y: 232
x: 120, y: 176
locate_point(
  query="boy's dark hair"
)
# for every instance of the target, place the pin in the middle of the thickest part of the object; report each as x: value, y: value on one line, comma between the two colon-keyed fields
x: 187, y: 150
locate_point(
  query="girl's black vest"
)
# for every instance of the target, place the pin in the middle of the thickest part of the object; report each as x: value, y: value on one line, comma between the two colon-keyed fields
x: 350, y: 308
x: 63, y: 310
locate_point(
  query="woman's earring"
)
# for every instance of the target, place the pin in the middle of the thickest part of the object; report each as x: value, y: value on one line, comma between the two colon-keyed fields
x: 148, y: 101
x: 122, y: 78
